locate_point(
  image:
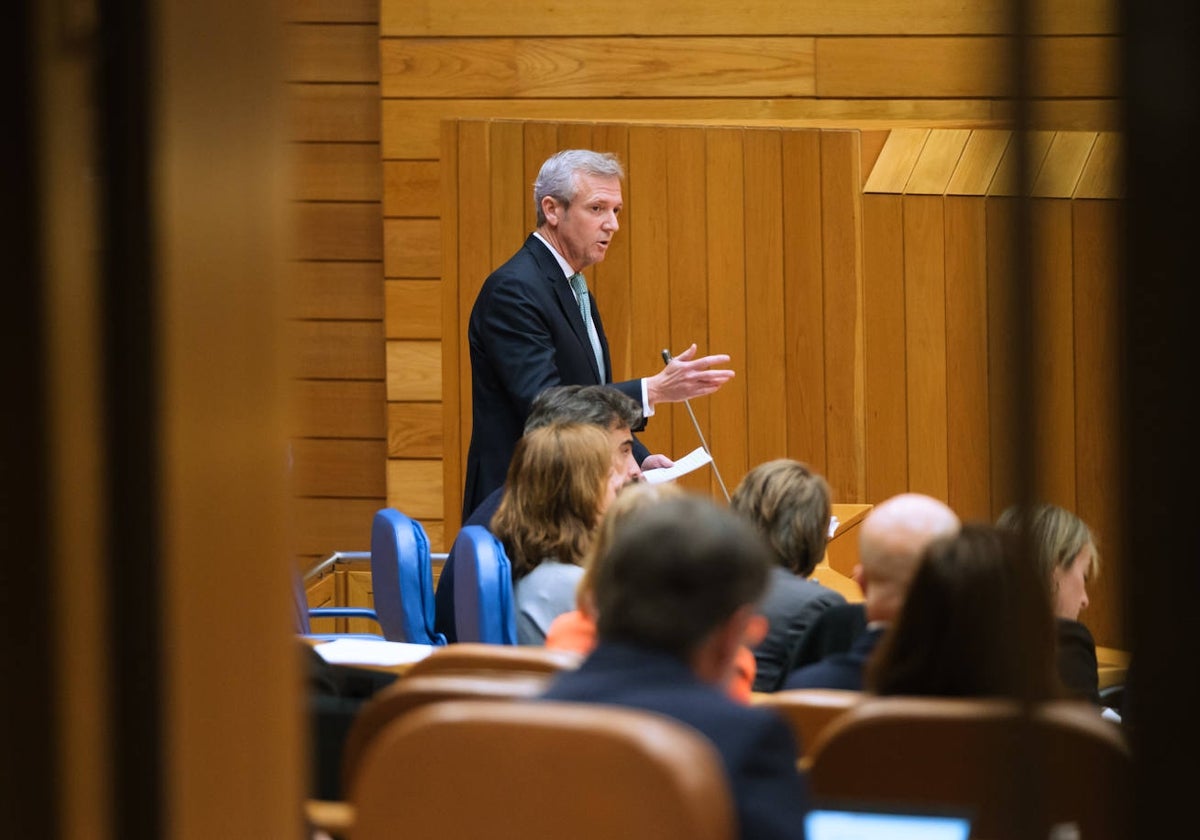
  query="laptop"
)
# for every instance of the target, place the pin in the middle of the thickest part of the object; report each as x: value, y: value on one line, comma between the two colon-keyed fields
x: 838, y: 821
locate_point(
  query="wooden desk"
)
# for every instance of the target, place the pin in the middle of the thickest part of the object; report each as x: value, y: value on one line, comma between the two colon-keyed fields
x: 397, y: 668
x: 841, y: 555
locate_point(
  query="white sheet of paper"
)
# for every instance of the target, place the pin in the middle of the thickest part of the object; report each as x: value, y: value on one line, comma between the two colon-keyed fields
x: 371, y: 652
x: 694, y: 460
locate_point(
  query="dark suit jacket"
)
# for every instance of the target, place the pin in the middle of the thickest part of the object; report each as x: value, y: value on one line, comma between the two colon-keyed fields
x: 443, y: 599
x: 834, y: 631
x: 839, y: 670
x: 791, y: 606
x: 755, y: 744
x: 525, y: 335
x: 1077, y: 660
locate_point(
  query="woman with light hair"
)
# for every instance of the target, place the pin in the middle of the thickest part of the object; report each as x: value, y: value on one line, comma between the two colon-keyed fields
x: 1065, y: 552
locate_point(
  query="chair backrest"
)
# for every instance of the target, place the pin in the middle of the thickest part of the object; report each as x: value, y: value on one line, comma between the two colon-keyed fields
x: 1018, y: 775
x: 484, y: 658
x: 808, y: 711
x: 402, y: 579
x: 483, y: 592
x: 538, y: 769
x: 413, y: 692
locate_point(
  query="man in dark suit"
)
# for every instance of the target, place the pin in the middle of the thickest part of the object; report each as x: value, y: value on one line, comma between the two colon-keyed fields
x: 528, y: 331
x: 892, y: 540
x: 591, y: 404
x: 676, y: 592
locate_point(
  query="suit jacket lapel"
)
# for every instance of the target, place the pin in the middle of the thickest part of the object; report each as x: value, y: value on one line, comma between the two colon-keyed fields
x: 566, y: 301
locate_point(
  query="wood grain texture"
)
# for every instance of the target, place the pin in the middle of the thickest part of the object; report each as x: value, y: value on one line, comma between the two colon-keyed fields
x: 411, y: 189
x: 415, y: 487
x: 336, y: 290
x: 414, y: 309
x: 1103, y: 175
x: 939, y: 158
x: 1053, y: 373
x: 414, y: 370
x: 617, y: 290
x: 414, y: 430
x: 336, y: 172
x: 333, y: 53
x: 325, y: 525
x: 1100, y: 501
x: 728, y: 242
x: 339, y: 468
x: 581, y: 67
x: 841, y: 238
x: 804, y: 298
x: 1079, y: 66
x: 340, y: 350
x: 925, y: 344
x: 410, y: 127
x: 980, y: 159
x: 752, y: 17
x: 338, y: 231
x: 331, y: 11
x: 968, y: 458
x: 884, y: 361
x: 1063, y: 164
x: 337, y: 409
x: 1003, y: 345
x: 412, y: 248
x: 896, y: 160
x: 335, y: 113
x: 452, y: 410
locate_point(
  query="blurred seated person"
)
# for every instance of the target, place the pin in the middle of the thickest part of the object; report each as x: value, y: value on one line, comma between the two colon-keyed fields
x: 576, y: 630
x: 675, y: 593
x: 560, y: 481
x: 892, y: 538
x: 598, y: 405
x: 789, y: 504
x: 976, y: 623
x: 1066, y: 554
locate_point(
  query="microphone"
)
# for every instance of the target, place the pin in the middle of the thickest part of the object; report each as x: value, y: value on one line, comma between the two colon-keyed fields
x: 666, y: 356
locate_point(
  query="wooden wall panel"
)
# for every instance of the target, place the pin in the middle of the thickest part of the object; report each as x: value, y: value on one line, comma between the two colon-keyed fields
x: 841, y: 238
x: 728, y: 240
x: 617, y: 290
x: 415, y: 487
x: 968, y: 458
x: 337, y: 172
x: 340, y: 350
x: 411, y: 188
x: 335, y: 113
x: 414, y: 430
x: 338, y: 290
x: 1002, y: 347
x: 804, y: 298
x: 325, y: 525
x: 333, y: 53
x: 412, y: 248
x: 583, y: 67
x: 762, y: 380
x: 925, y: 344
x: 1053, y: 352
x: 1101, y: 488
x: 335, y: 408
x: 885, y: 383
x: 336, y: 467
x: 413, y: 308
x: 414, y: 371
x: 754, y: 17
x: 338, y: 231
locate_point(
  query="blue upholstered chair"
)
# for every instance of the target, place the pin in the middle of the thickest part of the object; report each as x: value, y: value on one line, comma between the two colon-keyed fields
x: 402, y: 579
x: 483, y: 596
x: 304, y: 615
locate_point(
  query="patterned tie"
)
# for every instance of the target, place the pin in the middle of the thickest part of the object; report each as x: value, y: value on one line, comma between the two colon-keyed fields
x: 579, y: 286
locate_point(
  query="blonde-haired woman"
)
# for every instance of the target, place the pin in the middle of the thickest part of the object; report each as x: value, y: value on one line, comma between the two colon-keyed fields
x: 560, y: 481
x: 576, y: 630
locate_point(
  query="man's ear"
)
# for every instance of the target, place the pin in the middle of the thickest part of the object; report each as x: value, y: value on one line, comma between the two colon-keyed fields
x: 859, y: 577
x: 552, y: 210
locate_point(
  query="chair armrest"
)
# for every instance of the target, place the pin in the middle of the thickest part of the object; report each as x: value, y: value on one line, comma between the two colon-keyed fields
x: 332, y: 817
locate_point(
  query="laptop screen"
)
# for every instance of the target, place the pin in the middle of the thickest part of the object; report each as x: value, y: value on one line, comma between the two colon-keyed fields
x: 863, y: 823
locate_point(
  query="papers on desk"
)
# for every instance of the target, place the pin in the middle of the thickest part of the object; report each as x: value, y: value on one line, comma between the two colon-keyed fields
x: 833, y: 526
x: 371, y: 652
x: 694, y: 460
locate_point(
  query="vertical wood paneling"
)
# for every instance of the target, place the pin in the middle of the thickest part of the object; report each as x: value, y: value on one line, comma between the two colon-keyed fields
x: 456, y: 412
x: 688, y: 277
x: 647, y: 212
x: 804, y: 299
x: 764, y: 372
x: 727, y: 244
x: 841, y: 235
x: 1053, y: 353
x: 925, y: 343
x: 1100, y: 486
x: 508, y: 193
x: 1002, y: 391
x: 968, y: 458
x: 885, y: 386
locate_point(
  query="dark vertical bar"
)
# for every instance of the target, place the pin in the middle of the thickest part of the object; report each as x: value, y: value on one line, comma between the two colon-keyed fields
x: 28, y: 726
x: 126, y: 73
x: 1161, y: 73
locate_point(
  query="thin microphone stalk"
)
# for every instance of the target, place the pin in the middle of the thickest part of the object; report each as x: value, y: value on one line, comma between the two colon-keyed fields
x: 666, y: 355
